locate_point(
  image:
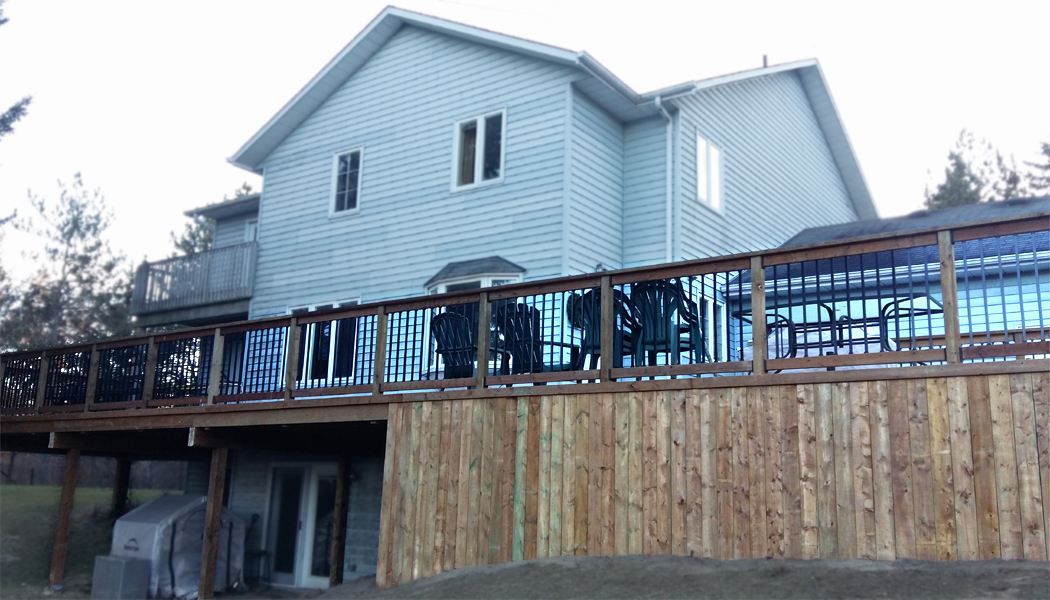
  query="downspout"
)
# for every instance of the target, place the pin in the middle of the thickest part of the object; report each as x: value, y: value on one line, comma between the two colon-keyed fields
x: 668, y: 204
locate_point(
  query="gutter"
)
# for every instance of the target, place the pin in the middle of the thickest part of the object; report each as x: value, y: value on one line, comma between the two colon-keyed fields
x: 669, y: 202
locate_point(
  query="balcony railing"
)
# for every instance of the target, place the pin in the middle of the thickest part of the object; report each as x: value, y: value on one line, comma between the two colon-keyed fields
x: 219, y: 275
x: 976, y: 292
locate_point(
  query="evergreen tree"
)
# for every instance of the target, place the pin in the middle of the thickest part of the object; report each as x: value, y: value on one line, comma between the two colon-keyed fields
x: 16, y: 112
x: 197, y: 235
x: 81, y: 290
x: 1039, y: 176
x: 961, y: 186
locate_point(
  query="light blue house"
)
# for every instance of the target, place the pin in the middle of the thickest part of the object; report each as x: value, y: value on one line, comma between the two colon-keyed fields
x: 429, y: 156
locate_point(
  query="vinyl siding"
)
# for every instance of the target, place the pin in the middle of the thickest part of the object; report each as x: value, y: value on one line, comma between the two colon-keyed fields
x: 779, y: 176
x: 644, y: 192
x: 230, y: 231
x: 596, y: 195
x: 401, y: 108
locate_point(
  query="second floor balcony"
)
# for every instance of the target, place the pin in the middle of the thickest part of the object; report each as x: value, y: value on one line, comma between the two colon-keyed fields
x: 210, y: 286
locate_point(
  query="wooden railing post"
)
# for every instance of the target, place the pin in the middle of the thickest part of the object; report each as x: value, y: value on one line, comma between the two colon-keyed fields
x: 41, y: 383
x: 608, y: 328
x: 484, y: 321
x: 215, y: 376
x: 379, y: 366
x: 758, y: 316
x: 291, y: 367
x: 151, y: 371
x: 92, y: 382
x: 949, y: 296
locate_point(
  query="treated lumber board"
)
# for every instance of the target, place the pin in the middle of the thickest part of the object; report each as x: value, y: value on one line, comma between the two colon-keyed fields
x: 693, y: 439
x: 486, y: 464
x: 421, y: 516
x: 741, y: 472
x: 408, y: 516
x: 845, y: 504
x: 454, y: 442
x: 882, y: 470
x: 428, y: 564
x: 827, y: 515
x: 622, y: 475
x: 900, y: 447
x: 921, y: 469
x: 608, y: 475
x: 556, y: 473
x: 756, y: 455
x: 568, y: 500
x: 808, y: 481
x: 466, y: 446
x: 679, y: 473
x: 1041, y: 402
x: 774, y: 472
x: 941, y: 468
x: 708, y: 443
x: 1029, y: 493
x: 863, y: 489
x: 496, y: 476
x: 477, y: 445
x: 724, y: 472
x: 65, y: 512
x: 510, y: 448
x: 962, y: 469
x: 791, y: 473
x: 983, y: 467
x: 594, y: 477
x: 635, y: 470
x: 387, y: 515
x: 583, y: 445
x: 1011, y: 542
x: 543, y: 541
x: 532, y: 478
x: 648, y: 475
x: 949, y: 295
x: 759, y: 339
x: 212, y: 520
x: 852, y: 360
x: 663, y: 474
x: 520, y: 457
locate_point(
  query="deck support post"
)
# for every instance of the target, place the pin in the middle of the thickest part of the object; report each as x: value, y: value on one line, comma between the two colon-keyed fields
x: 65, y: 511
x: 121, y: 483
x: 337, y: 551
x: 949, y: 296
x: 212, y: 522
x: 758, y: 316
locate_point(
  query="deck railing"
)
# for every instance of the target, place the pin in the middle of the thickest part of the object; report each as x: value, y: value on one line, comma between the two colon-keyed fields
x: 971, y: 293
x: 219, y: 275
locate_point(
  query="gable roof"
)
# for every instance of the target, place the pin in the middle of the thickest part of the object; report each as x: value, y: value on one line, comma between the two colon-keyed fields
x: 227, y: 208
x: 478, y: 266
x: 602, y: 86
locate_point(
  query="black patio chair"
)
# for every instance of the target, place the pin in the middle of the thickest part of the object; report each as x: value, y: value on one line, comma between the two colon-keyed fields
x: 663, y: 315
x: 519, y: 332
x: 585, y: 313
x: 456, y: 343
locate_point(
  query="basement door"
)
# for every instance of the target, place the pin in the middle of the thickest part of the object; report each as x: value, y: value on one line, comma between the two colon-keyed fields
x: 302, y: 512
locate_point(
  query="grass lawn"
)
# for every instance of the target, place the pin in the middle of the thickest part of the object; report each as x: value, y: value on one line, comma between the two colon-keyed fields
x: 27, y: 533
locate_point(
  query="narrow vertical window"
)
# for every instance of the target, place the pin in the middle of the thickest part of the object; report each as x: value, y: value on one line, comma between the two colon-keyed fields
x: 347, y: 181
x: 468, y: 139
x: 479, y: 150
x: 708, y: 173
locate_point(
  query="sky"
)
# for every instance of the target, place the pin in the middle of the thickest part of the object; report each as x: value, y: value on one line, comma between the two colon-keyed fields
x: 147, y: 100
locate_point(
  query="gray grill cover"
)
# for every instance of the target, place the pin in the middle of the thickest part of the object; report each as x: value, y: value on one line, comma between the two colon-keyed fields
x: 168, y: 531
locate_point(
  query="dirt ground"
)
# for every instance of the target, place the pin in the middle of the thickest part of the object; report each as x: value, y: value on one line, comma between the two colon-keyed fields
x: 684, y: 577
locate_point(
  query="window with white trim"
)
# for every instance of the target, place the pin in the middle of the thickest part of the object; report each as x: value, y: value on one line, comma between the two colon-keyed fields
x: 478, y: 150
x: 472, y: 283
x: 251, y: 230
x: 346, y: 181
x: 328, y: 349
x: 708, y: 173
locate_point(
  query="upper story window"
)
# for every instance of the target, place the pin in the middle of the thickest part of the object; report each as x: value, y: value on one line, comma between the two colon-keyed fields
x: 708, y: 173
x: 251, y: 230
x: 478, y: 150
x: 346, y: 181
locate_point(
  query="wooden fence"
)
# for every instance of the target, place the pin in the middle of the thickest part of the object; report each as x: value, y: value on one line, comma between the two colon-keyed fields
x: 950, y: 468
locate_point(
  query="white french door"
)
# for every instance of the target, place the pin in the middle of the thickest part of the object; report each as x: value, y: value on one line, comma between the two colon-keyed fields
x: 301, y: 518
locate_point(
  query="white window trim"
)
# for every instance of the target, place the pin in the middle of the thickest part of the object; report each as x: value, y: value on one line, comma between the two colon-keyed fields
x: 479, y: 151
x: 332, y: 212
x: 311, y: 332
x: 248, y: 229
x: 486, y: 281
x: 702, y: 144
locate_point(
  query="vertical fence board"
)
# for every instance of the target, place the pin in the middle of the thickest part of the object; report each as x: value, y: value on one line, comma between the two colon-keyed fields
x: 756, y: 453
x: 845, y: 507
x: 708, y: 474
x: 594, y: 476
x: 520, y: 449
x: 941, y: 468
x: 679, y: 473
x: 486, y: 463
x: 900, y: 446
x: 442, y: 488
x: 807, y: 448
x: 583, y: 446
x: 741, y: 474
x: 409, y: 568
x: 1041, y: 402
x: 532, y: 478
x: 636, y: 470
x: 1011, y: 543
x: 827, y: 515
x: 694, y: 484
x: 568, y: 500
x: 623, y: 482
x: 962, y: 469
x: 509, y: 480
x: 724, y: 472
x: 430, y: 506
x: 543, y: 541
x: 864, y: 499
x: 774, y: 472
x: 882, y: 471
x: 662, y: 433
x: 454, y: 441
x: 921, y: 464
x: 557, y: 463
x: 1031, y: 497
x: 608, y: 475
x: 387, y: 514
x: 983, y: 467
x: 792, y: 475
x: 477, y: 444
